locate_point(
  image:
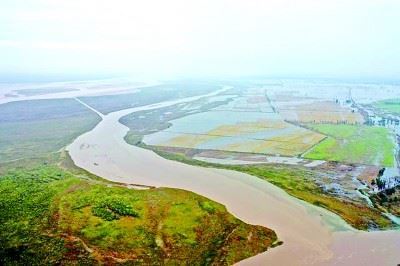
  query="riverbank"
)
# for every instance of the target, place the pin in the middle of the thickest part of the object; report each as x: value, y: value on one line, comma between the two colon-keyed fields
x: 56, y: 215
x: 297, y: 182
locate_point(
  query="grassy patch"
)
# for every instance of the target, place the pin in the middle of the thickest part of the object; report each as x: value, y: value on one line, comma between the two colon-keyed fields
x: 50, y: 216
x: 113, y: 209
x: 391, y: 106
x: 30, y: 129
x: 26, y: 221
x: 354, y: 144
x: 133, y: 138
x: 298, y: 182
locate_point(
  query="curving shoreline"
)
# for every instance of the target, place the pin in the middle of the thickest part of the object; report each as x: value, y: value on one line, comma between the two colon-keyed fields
x: 311, y: 234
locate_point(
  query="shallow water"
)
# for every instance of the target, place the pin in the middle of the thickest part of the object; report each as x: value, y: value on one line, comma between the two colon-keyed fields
x: 78, y: 88
x: 214, y: 130
x: 311, y: 234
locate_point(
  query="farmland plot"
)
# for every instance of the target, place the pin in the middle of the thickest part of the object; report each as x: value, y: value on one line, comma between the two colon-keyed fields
x: 246, y: 124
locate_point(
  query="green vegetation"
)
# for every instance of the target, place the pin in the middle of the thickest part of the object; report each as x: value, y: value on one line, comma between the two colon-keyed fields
x: 113, y: 210
x: 354, y: 144
x: 298, y: 182
x: 30, y: 129
x: 133, y: 138
x: 149, y: 95
x: 388, y: 200
x: 53, y: 216
x: 391, y: 106
x: 26, y: 219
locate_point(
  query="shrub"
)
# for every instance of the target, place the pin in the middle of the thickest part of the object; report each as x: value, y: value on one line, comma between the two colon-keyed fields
x: 104, y: 213
x: 112, y: 209
x: 207, y: 206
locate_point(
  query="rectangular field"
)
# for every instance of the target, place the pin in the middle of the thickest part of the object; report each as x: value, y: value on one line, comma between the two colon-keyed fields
x: 354, y: 144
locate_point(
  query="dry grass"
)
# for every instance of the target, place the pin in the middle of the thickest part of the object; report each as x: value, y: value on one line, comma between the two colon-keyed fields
x: 286, y: 138
x: 322, y: 112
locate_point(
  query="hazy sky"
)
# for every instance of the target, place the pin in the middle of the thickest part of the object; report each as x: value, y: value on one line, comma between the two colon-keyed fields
x: 329, y: 38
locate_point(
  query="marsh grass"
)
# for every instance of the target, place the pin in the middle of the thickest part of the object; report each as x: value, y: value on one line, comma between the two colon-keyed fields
x: 52, y: 216
x: 32, y: 129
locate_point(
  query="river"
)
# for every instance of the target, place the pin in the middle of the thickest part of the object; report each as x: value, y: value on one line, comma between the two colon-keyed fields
x: 311, y: 235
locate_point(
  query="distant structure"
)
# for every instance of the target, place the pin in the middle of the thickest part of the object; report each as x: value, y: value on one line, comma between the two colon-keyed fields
x: 349, y: 99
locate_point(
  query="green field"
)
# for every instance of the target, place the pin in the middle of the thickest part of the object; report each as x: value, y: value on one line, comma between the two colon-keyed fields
x: 354, y: 144
x: 391, y: 106
x: 51, y: 216
x: 31, y: 129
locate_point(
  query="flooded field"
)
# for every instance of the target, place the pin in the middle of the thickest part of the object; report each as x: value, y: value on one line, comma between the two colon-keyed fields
x: 319, y: 112
x: 248, y: 123
x: 273, y: 120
